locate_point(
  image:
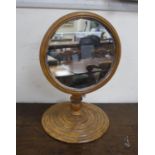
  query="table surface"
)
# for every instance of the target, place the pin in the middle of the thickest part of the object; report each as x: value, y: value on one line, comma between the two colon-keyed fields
x: 121, y: 138
x: 69, y: 44
x: 77, y: 67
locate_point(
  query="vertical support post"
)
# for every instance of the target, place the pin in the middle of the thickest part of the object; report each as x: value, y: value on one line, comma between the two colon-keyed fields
x: 76, y: 104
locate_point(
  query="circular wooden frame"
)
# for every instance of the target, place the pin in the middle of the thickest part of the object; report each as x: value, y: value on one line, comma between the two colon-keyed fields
x: 51, y: 31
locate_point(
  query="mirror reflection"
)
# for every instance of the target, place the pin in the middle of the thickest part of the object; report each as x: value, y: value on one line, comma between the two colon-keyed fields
x: 81, y: 53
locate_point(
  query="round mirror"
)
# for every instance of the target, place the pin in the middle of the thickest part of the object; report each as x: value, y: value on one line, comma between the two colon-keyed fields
x: 80, y: 53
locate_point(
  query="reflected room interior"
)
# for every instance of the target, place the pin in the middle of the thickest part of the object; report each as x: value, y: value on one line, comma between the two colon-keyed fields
x: 81, y: 53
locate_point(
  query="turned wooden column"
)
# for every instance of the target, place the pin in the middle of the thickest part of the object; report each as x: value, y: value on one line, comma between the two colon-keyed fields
x: 76, y: 104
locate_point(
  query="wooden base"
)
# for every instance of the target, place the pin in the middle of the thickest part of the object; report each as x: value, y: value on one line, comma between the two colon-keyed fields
x: 60, y: 123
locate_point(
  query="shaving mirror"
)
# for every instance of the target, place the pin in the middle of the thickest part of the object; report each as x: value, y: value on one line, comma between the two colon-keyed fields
x: 79, y: 54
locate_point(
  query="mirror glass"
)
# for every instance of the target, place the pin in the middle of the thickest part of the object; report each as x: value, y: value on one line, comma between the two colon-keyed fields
x: 80, y: 53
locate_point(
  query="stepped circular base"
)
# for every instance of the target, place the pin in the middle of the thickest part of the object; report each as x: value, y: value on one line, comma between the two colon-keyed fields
x: 59, y: 122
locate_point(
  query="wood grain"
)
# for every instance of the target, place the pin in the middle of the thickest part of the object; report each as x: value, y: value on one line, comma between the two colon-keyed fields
x: 32, y: 140
x: 87, y: 124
